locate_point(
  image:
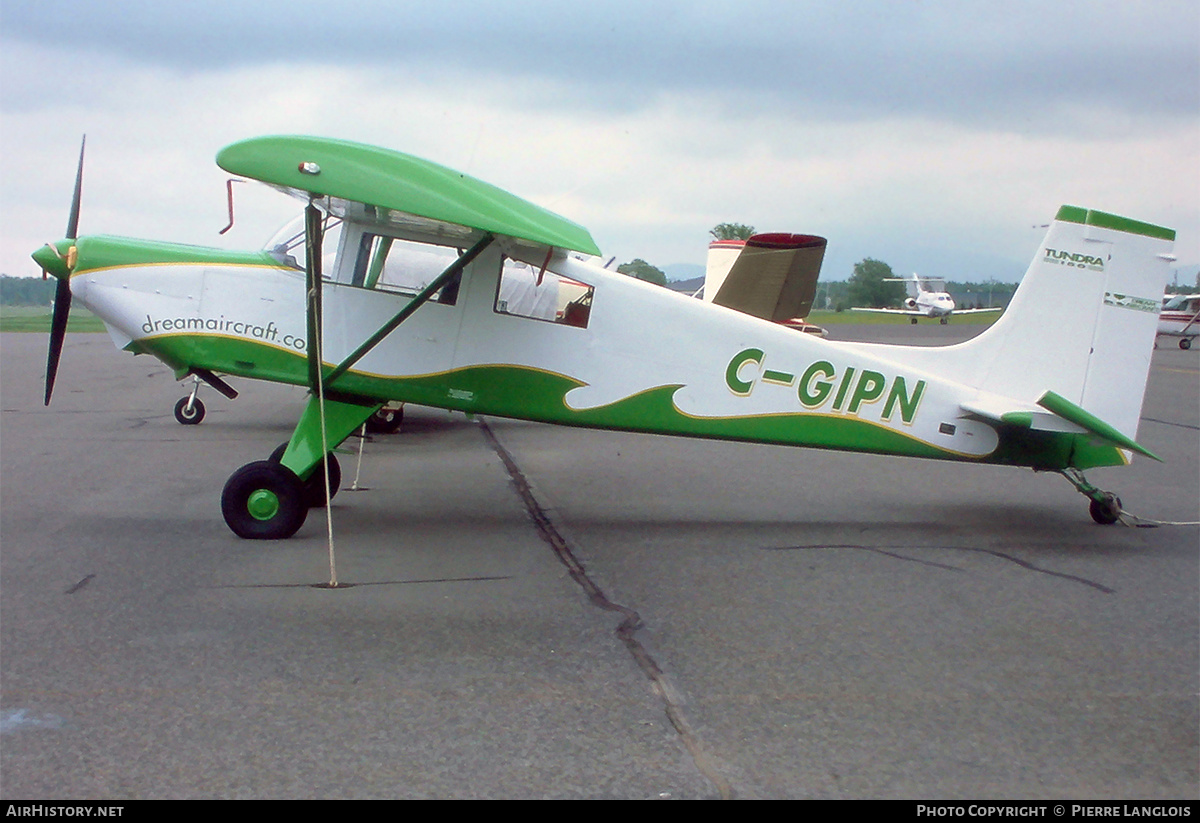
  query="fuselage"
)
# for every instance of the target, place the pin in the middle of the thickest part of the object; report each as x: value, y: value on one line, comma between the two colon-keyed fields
x: 636, y: 357
x: 1180, y: 316
x: 935, y: 304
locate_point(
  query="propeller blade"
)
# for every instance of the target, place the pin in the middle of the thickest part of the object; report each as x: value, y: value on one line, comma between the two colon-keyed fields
x: 73, y: 220
x: 62, y: 291
x: 58, y: 331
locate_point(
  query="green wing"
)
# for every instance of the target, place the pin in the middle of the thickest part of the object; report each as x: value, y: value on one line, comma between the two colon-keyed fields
x: 392, y: 186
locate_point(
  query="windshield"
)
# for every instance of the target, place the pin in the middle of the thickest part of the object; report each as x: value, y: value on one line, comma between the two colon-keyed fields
x: 287, y: 244
x: 1180, y: 302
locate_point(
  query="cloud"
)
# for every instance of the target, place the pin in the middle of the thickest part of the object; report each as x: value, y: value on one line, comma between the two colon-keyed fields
x: 961, y: 61
x: 894, y: 129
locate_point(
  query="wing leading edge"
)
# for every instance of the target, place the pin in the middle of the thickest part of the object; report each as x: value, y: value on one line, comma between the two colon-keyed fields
x: 351, y: 174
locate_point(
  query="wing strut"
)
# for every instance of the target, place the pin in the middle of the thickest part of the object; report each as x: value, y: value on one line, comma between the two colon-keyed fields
x: 314, y: 236
x: 452, y: 271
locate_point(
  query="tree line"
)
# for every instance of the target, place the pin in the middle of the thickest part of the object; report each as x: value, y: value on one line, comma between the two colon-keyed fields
x: 26, y: 291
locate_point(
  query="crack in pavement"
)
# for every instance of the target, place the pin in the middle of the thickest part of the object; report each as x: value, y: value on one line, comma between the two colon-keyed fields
x: 345, y: 585
x: 631, y: 621
x: 994, y: 553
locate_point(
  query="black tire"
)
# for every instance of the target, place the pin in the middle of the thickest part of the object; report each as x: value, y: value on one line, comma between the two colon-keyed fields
x: 385, y: 421
x: 185, y: 417
x: 264, y: 501
x: 277, y: 455
x: 1185, y: 343
x: 1106, y: 511
x: 314, y: 486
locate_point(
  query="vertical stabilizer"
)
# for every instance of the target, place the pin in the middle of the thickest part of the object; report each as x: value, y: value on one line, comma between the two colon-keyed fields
x: 722, y: 254
x: 1082, y: 322
x: 914, y: 286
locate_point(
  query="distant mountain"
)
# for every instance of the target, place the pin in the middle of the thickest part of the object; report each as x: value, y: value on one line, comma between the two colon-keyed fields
x: 686, y: 286
x: 683, y: 271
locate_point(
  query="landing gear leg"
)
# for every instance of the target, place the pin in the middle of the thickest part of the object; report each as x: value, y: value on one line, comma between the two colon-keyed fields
x: 270, y: 499
x: 314, y: 486
x: 189, y: 410
x: 1105, y: 507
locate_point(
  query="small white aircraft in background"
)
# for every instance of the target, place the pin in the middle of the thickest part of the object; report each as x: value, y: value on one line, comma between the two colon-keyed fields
x: 610, y: 352
x: 772, y: 276
x: 1180, y: 317
x: 927, y: 297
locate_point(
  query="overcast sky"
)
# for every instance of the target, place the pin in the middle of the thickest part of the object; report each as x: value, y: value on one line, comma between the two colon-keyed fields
x: 932, y: 135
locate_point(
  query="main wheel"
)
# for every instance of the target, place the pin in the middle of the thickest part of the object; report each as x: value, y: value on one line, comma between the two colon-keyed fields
x: 314, y: 486
x: 264, y: 501
x: 1106, y: 511
x: 385, y: 421
x: 189, y: 418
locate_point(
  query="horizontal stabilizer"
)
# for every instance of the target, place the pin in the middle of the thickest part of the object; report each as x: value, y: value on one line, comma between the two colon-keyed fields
x: 1056, y: 414
x: 774, y: 277
x: 1006, y: 411
x: 1081, y: 417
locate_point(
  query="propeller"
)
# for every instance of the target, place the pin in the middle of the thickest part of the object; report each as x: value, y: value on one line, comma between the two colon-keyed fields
x: 62, y: 291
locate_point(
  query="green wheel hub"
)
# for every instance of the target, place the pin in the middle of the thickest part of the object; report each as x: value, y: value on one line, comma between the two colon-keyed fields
x: 264, y: 501
x: 262, y: 504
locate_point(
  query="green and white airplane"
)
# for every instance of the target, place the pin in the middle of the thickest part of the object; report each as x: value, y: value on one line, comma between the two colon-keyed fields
x: 1056, y: 384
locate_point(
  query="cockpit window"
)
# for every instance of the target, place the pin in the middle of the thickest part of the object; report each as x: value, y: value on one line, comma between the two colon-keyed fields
x: 391, y: 264
x: 378, y: 262
x: 525, y: 291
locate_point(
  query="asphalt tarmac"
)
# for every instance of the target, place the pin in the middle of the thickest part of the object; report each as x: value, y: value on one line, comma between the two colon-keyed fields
x: 527, y: 611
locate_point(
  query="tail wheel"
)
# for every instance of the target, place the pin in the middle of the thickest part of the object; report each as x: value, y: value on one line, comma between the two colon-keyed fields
x: 1107, y: 510
x: 264, y: 501
x: 314, y: 486
x: 189, y: 417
